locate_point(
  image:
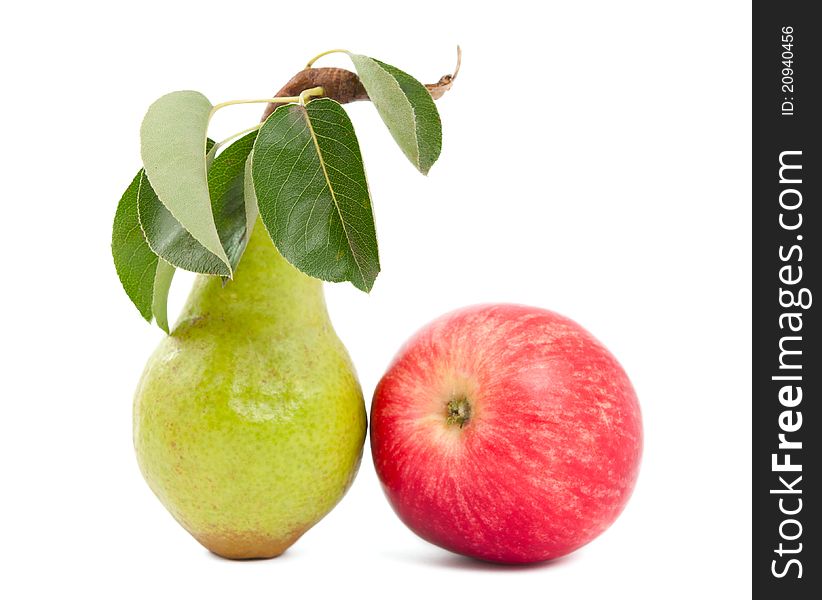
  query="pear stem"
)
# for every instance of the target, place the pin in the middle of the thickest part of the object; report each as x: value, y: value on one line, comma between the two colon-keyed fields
x: 317, y: 91
x: 343, y: 85
x: 239, y: 133
x: 326, y: 53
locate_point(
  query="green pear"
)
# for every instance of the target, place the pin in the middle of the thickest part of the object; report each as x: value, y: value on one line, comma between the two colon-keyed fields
x: 249, y: 420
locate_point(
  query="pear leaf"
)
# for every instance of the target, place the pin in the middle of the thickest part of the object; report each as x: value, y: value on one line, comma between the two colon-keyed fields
x: 250, y: 198
x: 234, y: 212
x: 136, y: 264
x: 173, y: 141
x: 406, y: 107
x: 312, y: 193
x: 159, y: 300
x: 144, y: 229
x: 169, y: 240
x: 145, y: 278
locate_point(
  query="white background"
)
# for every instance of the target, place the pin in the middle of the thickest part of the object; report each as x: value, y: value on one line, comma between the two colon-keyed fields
x: 596, y: 161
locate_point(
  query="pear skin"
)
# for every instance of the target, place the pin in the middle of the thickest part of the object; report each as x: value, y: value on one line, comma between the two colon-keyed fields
x: 249, y: 420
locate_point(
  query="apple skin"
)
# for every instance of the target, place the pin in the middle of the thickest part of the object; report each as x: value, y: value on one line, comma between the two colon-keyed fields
x: 550, y: 450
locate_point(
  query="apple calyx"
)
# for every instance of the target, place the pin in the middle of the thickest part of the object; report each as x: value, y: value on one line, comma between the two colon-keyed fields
x: 458, y: 411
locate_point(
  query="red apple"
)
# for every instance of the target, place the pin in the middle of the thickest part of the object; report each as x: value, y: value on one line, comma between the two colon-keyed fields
x: 506, y: 433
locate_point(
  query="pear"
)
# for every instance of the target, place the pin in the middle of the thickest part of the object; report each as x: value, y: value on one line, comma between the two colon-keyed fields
x: 249, y: 420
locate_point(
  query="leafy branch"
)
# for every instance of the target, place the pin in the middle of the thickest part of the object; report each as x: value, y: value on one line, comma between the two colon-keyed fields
x: 194, y: 203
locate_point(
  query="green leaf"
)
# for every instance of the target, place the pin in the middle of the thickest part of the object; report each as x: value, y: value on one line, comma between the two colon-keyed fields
x: 136, y: 264
x: 312, y: 193
x: 250, y: 197
x: 173, y: 140
x: 406, y: 108
x: 145, y: 278
x: 234, y: 213
x: 159, y: 300
x: 169, y: 240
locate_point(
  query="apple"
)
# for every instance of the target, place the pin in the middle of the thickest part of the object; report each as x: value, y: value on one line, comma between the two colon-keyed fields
x: 506, y: 433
